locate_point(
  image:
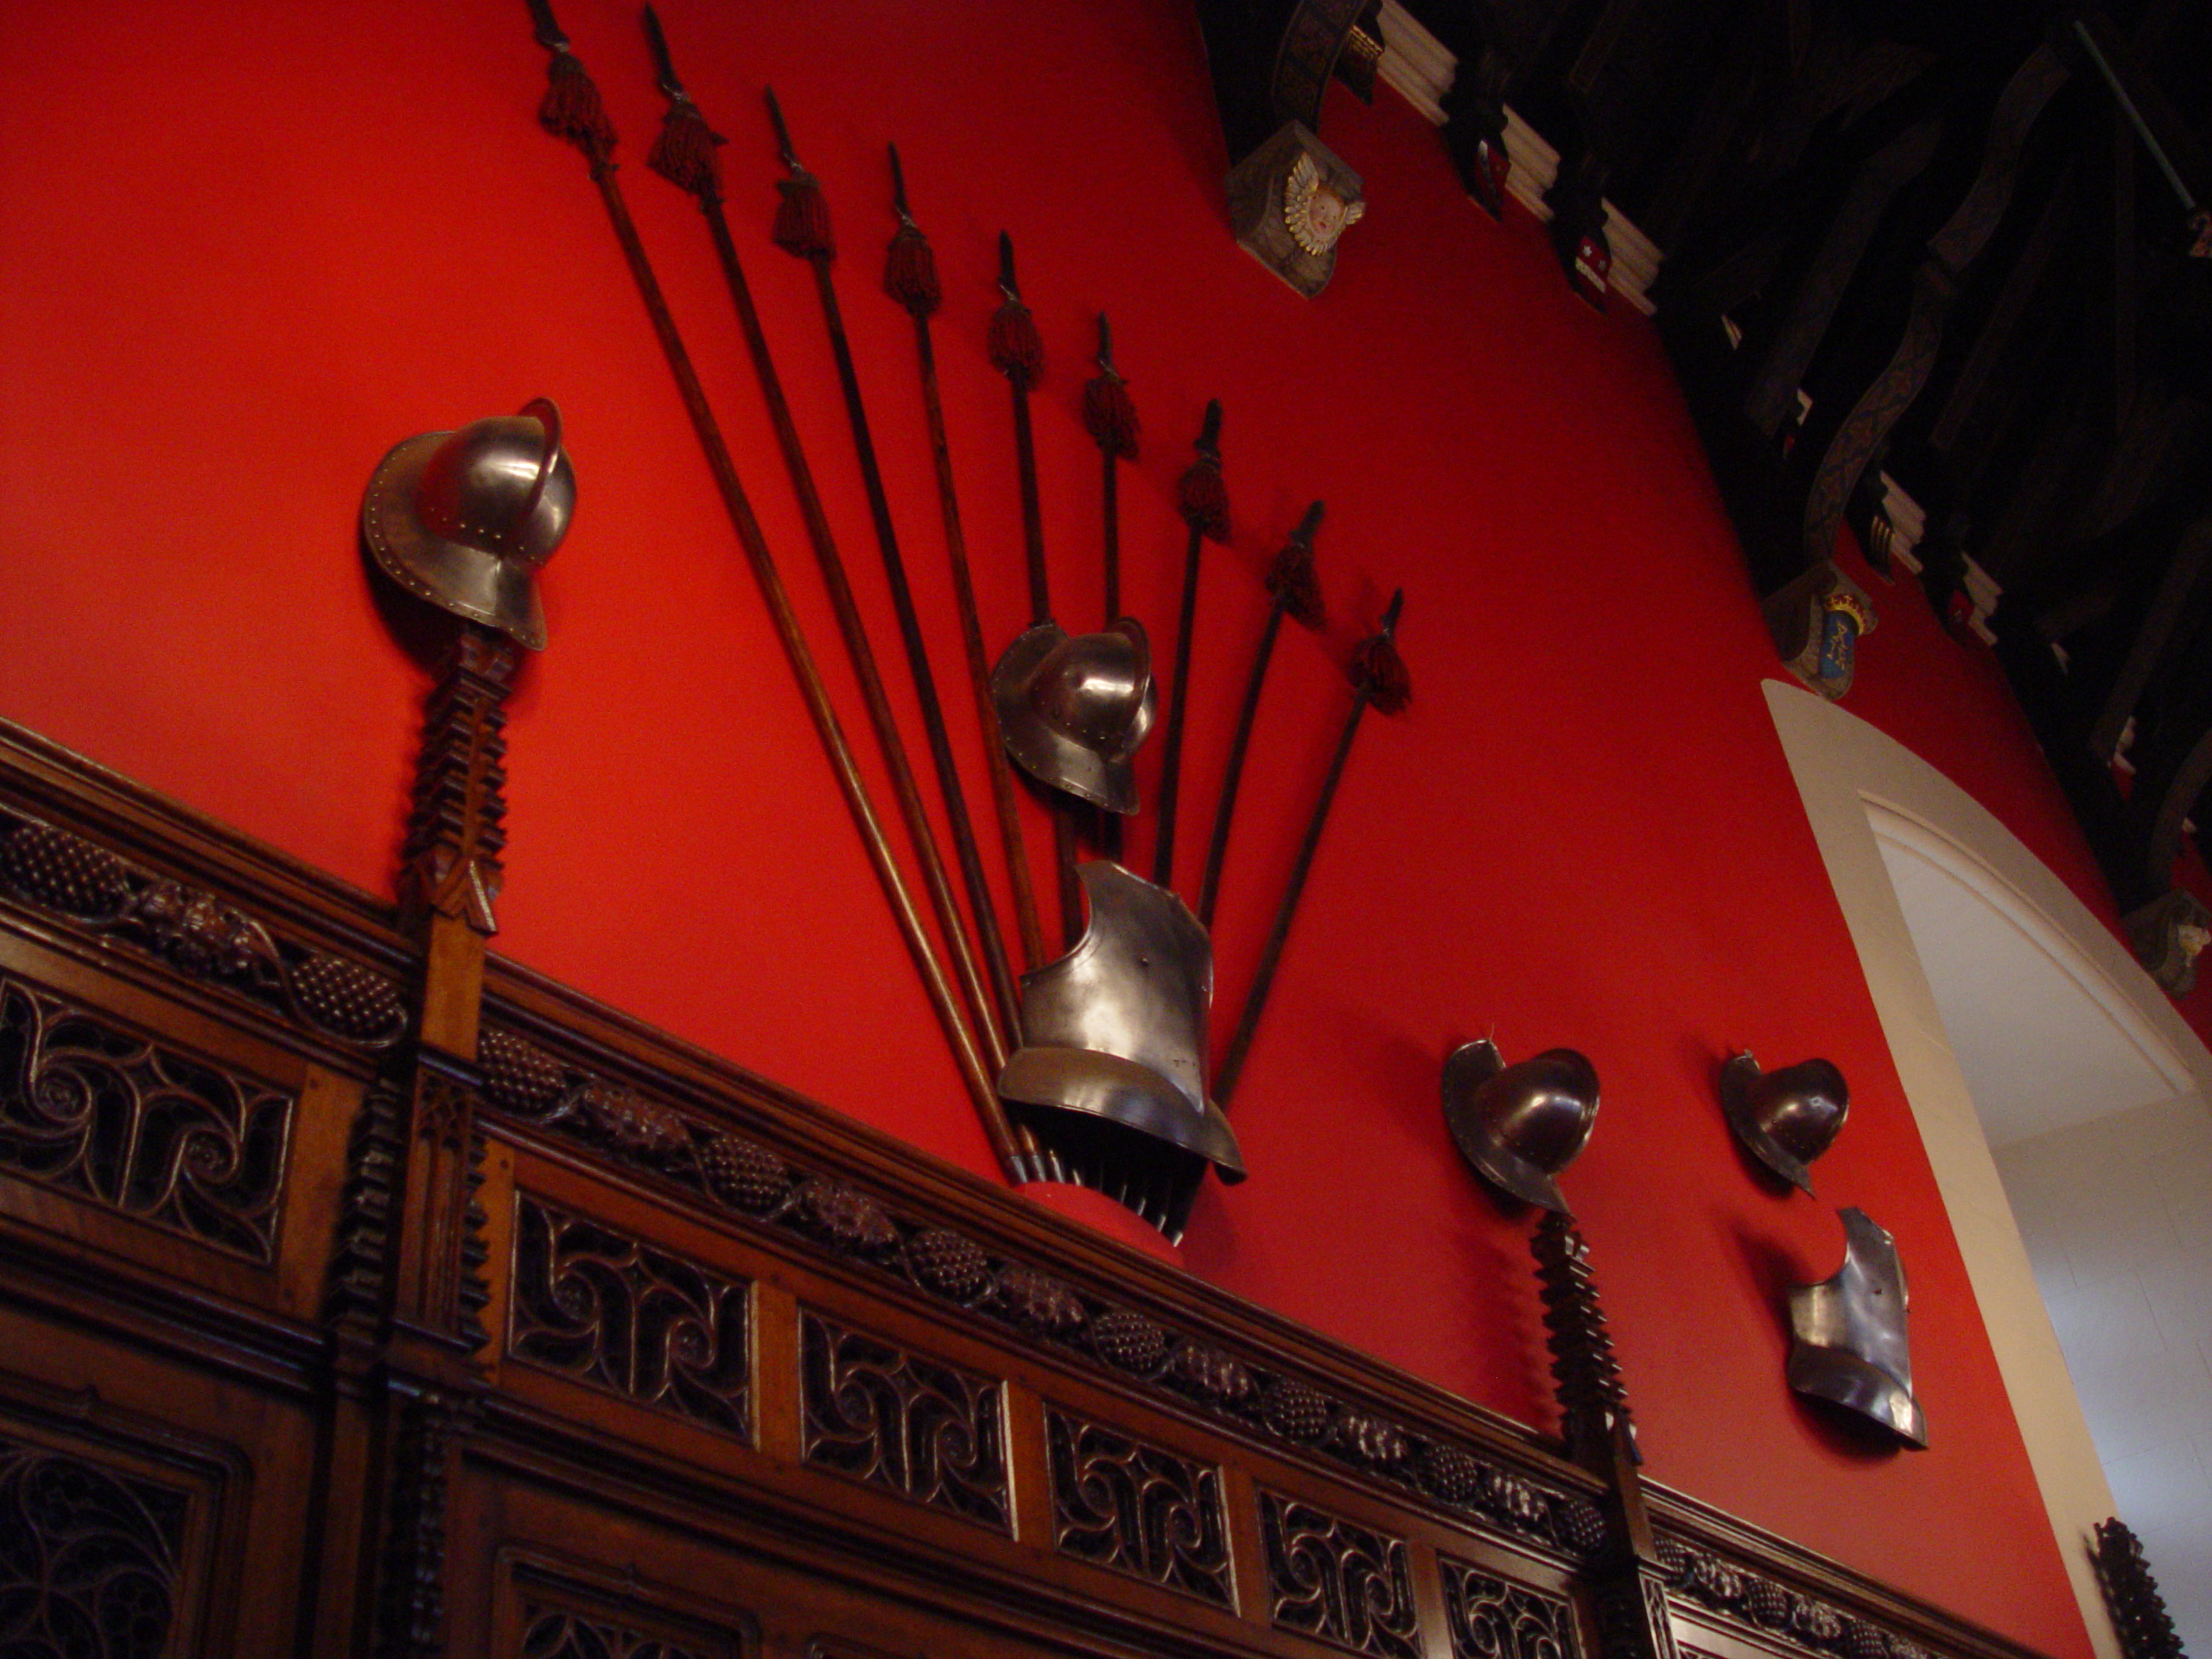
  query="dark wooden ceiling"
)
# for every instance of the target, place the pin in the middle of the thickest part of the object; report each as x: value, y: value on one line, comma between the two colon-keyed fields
x: 1931, y: 241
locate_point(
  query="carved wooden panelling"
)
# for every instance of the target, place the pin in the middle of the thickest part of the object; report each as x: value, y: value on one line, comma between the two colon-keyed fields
x: 91, y: 1558
x: 734, y: 1179
x: 96, y: 1110
x: 1139, y: 1509
x: 913, y: 1426
x: 195, y: 933
x: 1341, y: 1582
x: 603, y: 1309
x: 557, y: 1633
x: 1490, y: 1618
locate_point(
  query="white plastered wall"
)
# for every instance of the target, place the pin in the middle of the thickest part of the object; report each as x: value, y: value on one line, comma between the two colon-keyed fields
x: 1848, y: 774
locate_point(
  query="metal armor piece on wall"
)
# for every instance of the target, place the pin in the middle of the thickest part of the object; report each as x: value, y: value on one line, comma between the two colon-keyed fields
x: 1520, y: 1125
x: 1074, y: 709
x: 464, y: 518
x: 1850, y: 1333
x: 1787, y: 1118
x: 1116, y: 1027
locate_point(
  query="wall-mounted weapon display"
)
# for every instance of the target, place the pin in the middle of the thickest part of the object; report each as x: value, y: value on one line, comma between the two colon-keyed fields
x: 1093, y: 1069
x: 1850, y: 1345
x: 1786, y: 1118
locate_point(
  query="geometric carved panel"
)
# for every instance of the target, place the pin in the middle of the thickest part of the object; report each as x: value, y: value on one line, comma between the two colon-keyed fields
x: 1490, y: 1618
x: 916, y: 1427
x: 92, y: 1109
x: 1341, y: 1582
x: 554, y: 1633
x: 91, y: 1558
x: 1138, y: 1509
x: 604, y: 1310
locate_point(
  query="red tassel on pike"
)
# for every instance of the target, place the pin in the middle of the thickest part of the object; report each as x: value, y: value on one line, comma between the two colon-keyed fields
x: 684, y: 154
x: 1017, y: 350
x: 1110, y: 416
x: 910, y: 273
x: 1381, y: 673
x: 803, y: 219
x: 1203, y: 497
x: 572, y: 109
x: 1292, y: 580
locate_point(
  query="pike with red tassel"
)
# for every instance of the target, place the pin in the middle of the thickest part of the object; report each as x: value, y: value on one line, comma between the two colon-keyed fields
x: 910, y: 278
x: 1297, y: 594
x: 1203, y: 499
x: 1018, y: 352
x: 1110, y: 417
x: 1379, y: 676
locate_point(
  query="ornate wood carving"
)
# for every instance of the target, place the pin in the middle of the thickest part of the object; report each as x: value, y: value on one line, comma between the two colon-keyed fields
x: 1491, y: 1618
x: 91, y: 1558
x: 412, y: 1617
x: 96, y: 1110
x: 1591, y: 1398
x: 2138, y: 1611
x: 1935, y: 285
x: 120, y: 902
x: 1766, y: 1604
x: 455, y: 835
x: 1141, y: 1509
x: 555, y: 1633
x: 642, y: 1323
x: 736, y: 1178
x: 1337, y: 1581
x: 927, y: 1431
x: 1633, y: 1620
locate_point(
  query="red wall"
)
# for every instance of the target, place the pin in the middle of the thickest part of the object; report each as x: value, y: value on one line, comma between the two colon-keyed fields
x: 242, y: 254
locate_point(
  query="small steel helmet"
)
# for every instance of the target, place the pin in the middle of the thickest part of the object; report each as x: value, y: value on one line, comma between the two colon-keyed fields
x: 1787, y: 1118
x: 1520, y: 1125
x: 1073, y: 709
x: 463, y: 519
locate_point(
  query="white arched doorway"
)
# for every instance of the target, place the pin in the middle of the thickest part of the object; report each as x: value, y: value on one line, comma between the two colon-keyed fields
x: 2019, y: 1025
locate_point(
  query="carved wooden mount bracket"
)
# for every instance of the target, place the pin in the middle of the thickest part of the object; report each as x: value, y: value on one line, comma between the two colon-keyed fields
x: 1289, y: 202
x: 457, y: 828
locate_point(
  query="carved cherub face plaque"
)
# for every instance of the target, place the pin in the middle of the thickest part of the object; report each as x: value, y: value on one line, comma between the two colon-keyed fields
x: 1315, y: 211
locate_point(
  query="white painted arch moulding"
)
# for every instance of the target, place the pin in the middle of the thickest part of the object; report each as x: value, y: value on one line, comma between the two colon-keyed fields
x: 1848, y: 773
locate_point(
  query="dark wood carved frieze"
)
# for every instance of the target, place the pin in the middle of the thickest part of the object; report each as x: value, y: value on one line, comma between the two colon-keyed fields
x: 1634, y: 1621
x: 1775, y: 1610
x: 1139, y: 1509
x: 91, y: 1558
x: 557, y: 1633
x: 120, y: 902
x: 929, y: 1432
x: 1337, y: 1581
x: 738, y: 1180
x: 412, y: 1612
x: 630, y: 1318
x: 94, y: 1109
x: 1491, y: 1618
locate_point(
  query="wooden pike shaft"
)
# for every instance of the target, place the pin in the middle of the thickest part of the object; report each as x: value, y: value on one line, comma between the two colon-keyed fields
x: 1225, y: 808
x: 1217, y: 848
x: 917, y: 660
x: 1171, y: 768
x: 980, y: 1084
x: 971, y: 633
x: 1040, y: 603
x: 1256, y: 1001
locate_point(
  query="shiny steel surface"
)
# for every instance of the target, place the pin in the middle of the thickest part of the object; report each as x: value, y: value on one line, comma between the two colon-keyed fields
x: 1520, y: 1125
x: 1116, y: 1027
x: 1787, y: 1118
x: 1850, y: 1333
x: 1074, y: 709
x: 464, y: 518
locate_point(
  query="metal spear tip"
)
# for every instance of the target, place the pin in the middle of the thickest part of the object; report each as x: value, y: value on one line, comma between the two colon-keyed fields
x: 789, y: 156
x: 1007, y: 284
x: 1307, y: 525
x: 669, y: 85
x: 1390, y: 627
x: 1105, y: 344
x: 549, y: 32
x: 1209, y: 433
x: 899, y: 187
